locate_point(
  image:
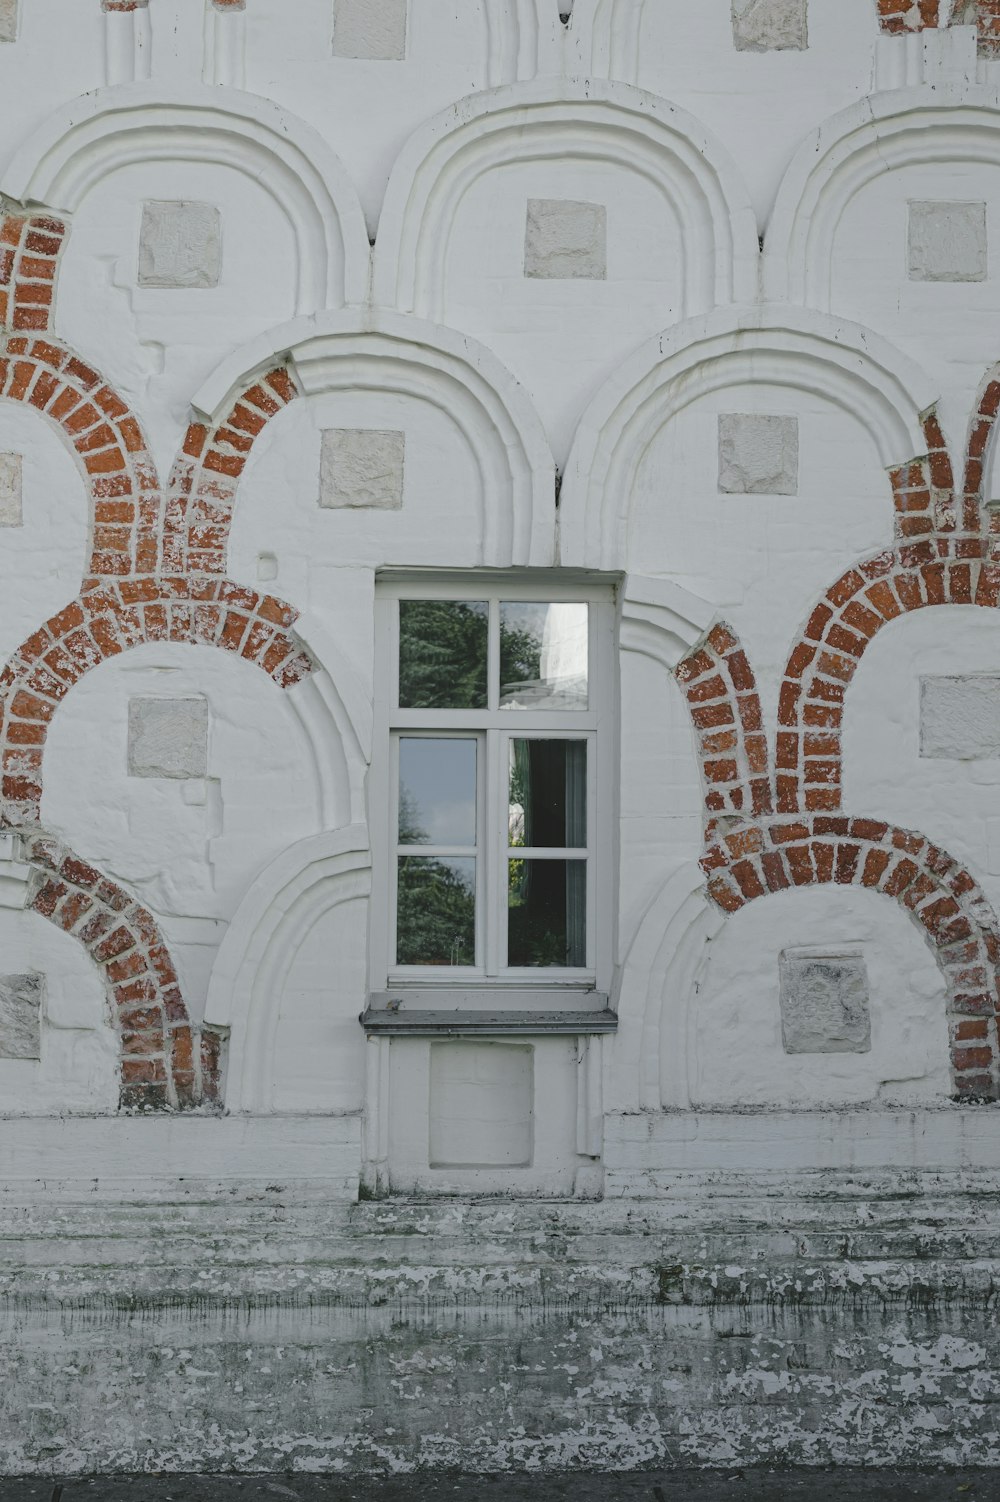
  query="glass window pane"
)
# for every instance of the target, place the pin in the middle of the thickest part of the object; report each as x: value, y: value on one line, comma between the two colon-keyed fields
x: 443, y: 654
x: 435, y: 911
x: 543, y: 656
x: 437, y: 790
x: 547, y: 913
x: 548, y: 794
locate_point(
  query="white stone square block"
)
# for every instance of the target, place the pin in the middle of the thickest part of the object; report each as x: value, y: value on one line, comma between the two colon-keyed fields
x: 180, y: 244
x: 758, y: 454
x: 373, y: 29
x: 10, y: 490
x: 947, y: 242
x: 482, y: 1105
x: 566, y: 240
x: 168, y: 737
x: 771, y: 25
x: 21, y: 1016
x: 8, y: 20
x: 824, y: 1002
x: 362, y: 467
x: 960, y: 717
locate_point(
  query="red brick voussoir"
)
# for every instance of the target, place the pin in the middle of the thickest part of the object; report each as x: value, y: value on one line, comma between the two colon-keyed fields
x: 107, y: 441
x: 164, y: 1062
x: 202, y: 489
x: 30, y: 246
x: 936, y: 570
x: 897, y: 17
x: 109, y: 620
x: 722, y: 697
x: 755, y: 860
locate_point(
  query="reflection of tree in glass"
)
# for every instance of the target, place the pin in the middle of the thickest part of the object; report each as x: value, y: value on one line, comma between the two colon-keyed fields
x: 435, y: 912
x: 520, y: 655
x: 442, y: 654
x: 435, y: 902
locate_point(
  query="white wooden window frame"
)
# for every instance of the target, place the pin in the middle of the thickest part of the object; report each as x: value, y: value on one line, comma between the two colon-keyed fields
x: 494, y: 729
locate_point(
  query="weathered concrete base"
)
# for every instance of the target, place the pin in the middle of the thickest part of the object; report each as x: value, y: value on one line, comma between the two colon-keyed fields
x: 744, y: 1316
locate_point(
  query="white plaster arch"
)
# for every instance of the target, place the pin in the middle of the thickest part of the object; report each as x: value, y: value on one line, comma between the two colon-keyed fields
x: 564, y: 119
x: 382, y: 351
x: 808, y: 351
x: 282, y: 905
x: 521, y: 38
x: 607, y: 35
x: 662, y: 621
x: 886, y: 131
x: 655, y: 993
x: 336, y: 716
x: 94, y: 135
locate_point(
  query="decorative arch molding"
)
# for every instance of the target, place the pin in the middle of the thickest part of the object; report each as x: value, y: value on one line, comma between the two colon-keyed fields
x: 662, y: 621
x: 571, y: 119
x: 886, y: 131
x: 384, y: 351
x: 521, y: 39
x: 857, y: 371
x: 608, y: 36
x: 281, y: 907
x: 655, y: 992
x: 335, y: 713
x: 98, y: 133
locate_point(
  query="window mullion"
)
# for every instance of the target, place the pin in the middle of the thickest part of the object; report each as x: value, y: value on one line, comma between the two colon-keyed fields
x: 493, y: 852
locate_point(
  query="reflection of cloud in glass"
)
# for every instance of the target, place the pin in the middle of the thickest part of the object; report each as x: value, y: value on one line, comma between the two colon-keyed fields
x: 437, y: 791
x: 543, y: 655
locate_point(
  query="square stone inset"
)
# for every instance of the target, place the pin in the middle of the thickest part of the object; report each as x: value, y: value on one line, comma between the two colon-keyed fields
x: 362, y: 467
x: 770, y: 25
x: 947, y: 242
x: 8, y: 20
x: 21, y: 999
x: 824, y: 1002
x: 374, y: 29
x: 758, y: 454
x: 960, y: 718
x: 180, y: 244
x: 482, y: 1105
x: 10, y: 490
x: 566, y: 240
x: 168, y: 738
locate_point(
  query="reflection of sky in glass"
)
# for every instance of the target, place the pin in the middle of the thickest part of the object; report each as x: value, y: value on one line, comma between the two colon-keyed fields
x: 543, y: 652
x: 437, y: 791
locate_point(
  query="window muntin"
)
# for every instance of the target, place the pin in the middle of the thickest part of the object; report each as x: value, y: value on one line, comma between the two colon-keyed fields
x: 515, y: 674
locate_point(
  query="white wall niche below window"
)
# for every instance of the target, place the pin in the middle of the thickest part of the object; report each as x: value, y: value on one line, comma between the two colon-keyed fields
x: 482, y: 1105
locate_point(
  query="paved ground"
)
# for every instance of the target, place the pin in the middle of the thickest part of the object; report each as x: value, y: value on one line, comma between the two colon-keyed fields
x: 672, y: 1486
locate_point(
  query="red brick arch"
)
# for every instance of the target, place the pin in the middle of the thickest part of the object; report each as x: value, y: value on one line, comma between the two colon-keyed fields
x: 164, y: 1061
x: 107, y: 621
x: 756, y: 860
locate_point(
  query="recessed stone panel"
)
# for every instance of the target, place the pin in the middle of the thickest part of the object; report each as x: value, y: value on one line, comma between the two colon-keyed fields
x: 960, y: 717
x: 20, y: 1016
x: 374, y: 29
x: 481, y: 1107
x: 168, y: 738
x: 824, y: 1002
x: 10, y: 490
x: 180, y: 244
x: 770, y: 25
x: 758, y: 454
x: 362, y: 467
x: 947, y: 242
x: 565, y: 240
x: 8, y: 20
